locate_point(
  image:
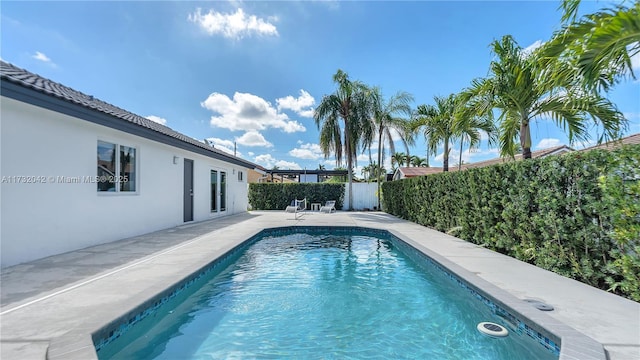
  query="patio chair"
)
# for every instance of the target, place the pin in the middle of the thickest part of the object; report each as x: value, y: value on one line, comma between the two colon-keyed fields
x: 329, y: 207
x: 297, y: 207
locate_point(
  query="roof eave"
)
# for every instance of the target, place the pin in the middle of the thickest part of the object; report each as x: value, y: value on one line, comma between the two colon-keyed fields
x: 37, y: 98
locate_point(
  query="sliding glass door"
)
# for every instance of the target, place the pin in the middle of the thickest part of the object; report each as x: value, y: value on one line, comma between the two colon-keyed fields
x: 218, y: 180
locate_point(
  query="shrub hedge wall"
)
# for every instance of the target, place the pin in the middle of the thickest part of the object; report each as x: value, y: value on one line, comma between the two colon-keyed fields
x: 576, y: 214
x: 270, y: 196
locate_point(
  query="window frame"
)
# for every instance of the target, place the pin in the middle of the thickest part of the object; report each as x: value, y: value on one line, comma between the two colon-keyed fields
x: 118, y: 171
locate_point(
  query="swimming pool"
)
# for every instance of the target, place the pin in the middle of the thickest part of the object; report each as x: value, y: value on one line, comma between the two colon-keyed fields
x: 317, y: 293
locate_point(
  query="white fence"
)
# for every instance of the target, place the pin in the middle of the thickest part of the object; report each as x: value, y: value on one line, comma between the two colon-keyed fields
x: 364, y: 196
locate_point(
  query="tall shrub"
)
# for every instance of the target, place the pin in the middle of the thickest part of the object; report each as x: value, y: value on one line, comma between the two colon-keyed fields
x: 577, y: 214
x: 277, y: 196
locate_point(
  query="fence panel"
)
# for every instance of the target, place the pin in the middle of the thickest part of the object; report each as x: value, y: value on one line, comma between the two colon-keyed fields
x: 364, y: 196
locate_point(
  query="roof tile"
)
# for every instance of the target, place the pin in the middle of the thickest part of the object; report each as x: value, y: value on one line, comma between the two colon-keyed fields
x: 27, y: 79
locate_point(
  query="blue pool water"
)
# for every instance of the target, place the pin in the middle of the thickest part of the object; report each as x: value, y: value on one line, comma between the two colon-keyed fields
x: 312, y: 296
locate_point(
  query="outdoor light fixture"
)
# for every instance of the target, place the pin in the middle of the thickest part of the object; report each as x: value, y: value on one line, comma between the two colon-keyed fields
x: 175, y: 160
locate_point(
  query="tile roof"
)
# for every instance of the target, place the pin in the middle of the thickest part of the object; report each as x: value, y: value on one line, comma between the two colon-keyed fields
x: 534, y: 154
x: 419, y: 171
x: 26, y: 79
x: 628, y: 140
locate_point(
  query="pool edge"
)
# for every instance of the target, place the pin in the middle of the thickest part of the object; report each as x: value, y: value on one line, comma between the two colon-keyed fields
x: 78, y: 343
x: 573, y: 344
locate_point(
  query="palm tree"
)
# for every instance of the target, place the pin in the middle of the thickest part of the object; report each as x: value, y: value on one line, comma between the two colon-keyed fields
x: 596, y: 50
x: 417, y: 161
x: 518, y: 88
x: 378, y: 172
x: 366, y: 172
x: 468, y: 126
x: 350, y: 103
x: 438, y: 123
x: 399, y: 159
x: 386, y: 120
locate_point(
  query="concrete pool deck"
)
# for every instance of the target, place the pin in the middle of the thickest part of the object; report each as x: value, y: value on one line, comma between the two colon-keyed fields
x: 49, y: 307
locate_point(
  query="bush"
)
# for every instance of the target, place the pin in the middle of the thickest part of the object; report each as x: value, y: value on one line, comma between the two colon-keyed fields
x: 277, y: 196
x: 577, y: 214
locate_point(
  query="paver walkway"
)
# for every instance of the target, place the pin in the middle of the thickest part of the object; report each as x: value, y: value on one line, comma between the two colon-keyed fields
x: 50, y: 306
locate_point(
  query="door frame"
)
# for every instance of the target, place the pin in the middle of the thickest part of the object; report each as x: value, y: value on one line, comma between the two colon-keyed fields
x: 219, y: 192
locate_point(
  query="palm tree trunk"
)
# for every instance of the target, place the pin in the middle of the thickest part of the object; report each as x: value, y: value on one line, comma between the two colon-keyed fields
x: 347, y: 145
x: 379, y: 163
x: 525, y: 139
x: 445, y: 161
x: 427, y: 156
x: 460, y: 159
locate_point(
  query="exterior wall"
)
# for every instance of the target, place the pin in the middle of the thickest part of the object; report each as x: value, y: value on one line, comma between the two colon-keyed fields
x: 364, y: 196
x: 256, y: 177
x: 52, y: 216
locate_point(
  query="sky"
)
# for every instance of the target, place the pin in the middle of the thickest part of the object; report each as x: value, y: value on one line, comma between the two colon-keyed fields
x: 251, y: 72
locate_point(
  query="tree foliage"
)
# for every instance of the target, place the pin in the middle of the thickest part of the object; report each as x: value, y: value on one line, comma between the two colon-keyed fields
x: 594, y: 51
x: 522, y: 92
x: 277, y: 196
x: 351, y: 103
x: 576, y: 214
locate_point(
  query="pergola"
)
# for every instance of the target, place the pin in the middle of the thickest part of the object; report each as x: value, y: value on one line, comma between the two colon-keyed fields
x: 307, y: 176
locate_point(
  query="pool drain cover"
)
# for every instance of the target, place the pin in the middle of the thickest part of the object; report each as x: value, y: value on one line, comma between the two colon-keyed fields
x: 492, y: 329
x: 539, y: 305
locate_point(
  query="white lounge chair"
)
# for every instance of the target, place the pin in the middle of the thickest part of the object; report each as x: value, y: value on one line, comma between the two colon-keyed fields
x: 329, y: 207
x: 297, y: 207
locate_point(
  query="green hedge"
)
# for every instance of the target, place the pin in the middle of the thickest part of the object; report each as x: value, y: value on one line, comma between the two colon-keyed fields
x: 270, y: 196
x: 576, y: 214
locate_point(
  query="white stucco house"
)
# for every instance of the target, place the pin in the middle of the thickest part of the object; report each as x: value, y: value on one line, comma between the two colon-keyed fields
x: 77, y: 171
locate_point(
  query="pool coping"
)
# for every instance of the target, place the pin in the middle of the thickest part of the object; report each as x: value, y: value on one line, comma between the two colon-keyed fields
x: 573, y: 344
x: 77, y: 343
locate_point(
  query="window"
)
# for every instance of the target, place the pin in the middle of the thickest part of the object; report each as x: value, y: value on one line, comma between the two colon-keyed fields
x: 116, y: 168
x: 240, y: 176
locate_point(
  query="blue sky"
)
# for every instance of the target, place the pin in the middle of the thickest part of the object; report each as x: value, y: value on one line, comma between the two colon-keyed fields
x: 252, y: 72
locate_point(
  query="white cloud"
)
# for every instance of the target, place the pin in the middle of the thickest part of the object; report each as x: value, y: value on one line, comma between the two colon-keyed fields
x: 454, y: 156
x: 157, y: 119
x: 228, y: 150
x: 42, y: 57
x: 253, y: 138
x: 233, y: 25
x: 531, y: 48
x: 631, y: 115
x: 302, y: 105
x: 365, y: 157
x: 307, y: 151
x: 269, y: 162
x: 250, y: 153
x: 483, y: 135
x: 303, y: 154
x: 265, y: 160
x: 288, y: 165
x: 220, y: 142
x: 468, y: 156
x: 547, y: 143
x: 224, y: 145
x: 247, y: 112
